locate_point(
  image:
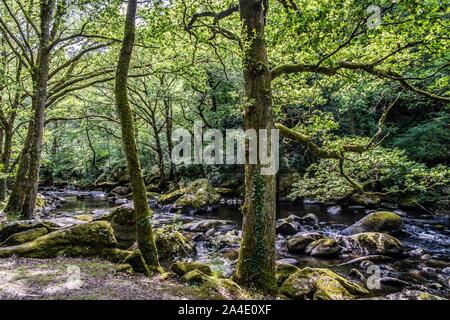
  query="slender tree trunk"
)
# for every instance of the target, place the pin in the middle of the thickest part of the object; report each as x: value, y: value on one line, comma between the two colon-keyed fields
x: 256, y: 263
x: 168, y: 115
x: 5, y: 158
x: 143, y: 213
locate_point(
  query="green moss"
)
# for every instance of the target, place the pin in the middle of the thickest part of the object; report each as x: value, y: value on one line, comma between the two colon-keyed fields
x: 181, y: 268
x: 320, y: 284
x: 24, y: 236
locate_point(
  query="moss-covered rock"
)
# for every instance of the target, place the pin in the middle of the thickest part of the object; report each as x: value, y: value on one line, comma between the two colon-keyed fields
x: 182, y: 267
x: 137, y: 262
x: 85, y: 217
x: 197, y: 195
x: 284, y: 271
x: 366, y: 199
x: 380, y: 221
x: 412, y: 295
x: 125, y: 268
x: 120, y: 191
x: 9, y: 228
x: 217, y: 288
x: 325, y: 247
x: 88, y: 239
x: 374, y: 243
x: 172, y: 244
x: 207, y: 224
x: 24, y: 236
x: 320, y: 284
x: 123, y: 222
x: 299, y: 242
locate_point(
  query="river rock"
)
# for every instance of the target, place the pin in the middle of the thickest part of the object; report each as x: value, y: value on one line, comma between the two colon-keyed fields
x: 205, y: 225
x: 197, y: 194
x: 366, y: 199
x: 120, y: 191
x: 310, y: 218
x: 411, y: 295
x: 334, y: 210
x: 379, y: 221
x: 284, y: 271
x: 370, y: 243
x: 172, y: 244
x: 320, y: 284
x: 299, y: 242
x: 324, y: 247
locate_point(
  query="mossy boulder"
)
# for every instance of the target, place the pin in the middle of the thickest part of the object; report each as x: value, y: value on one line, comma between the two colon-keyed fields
x: 284, y: 271
x: 299, y: 242
x: 9, y: 228
x: 216, y: 288
x: 379, y: 221
x: 24, y: 236
x: 172, y: 244
x: 196, y: 195
x: 88, y: 239
x: 320, y: 284
x: 85, y: 217
x: 120, y: 191
x: 123, y: 222
x: 325, y: 247
x: 369, y: 243
x: 183, y: 267
x: 136, y: 261
x: 367, y: 199
x: 207, y: 224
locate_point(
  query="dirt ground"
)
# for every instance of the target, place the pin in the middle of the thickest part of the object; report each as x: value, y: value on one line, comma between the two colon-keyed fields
x: 82, y: 279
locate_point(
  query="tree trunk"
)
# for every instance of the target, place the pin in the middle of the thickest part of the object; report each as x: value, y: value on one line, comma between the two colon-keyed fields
x: 256, y: 263
x: 168, y: 115
x: 143, y: 213
x: 6, y: 157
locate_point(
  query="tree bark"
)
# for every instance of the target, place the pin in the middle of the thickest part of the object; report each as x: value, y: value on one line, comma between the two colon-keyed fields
x: 143, y: 213
x: 256, y: 263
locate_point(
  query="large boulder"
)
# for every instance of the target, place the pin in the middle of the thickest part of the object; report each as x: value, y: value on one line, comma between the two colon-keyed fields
x: 379, y: 221
x: 320, y: 284
x: 123, y: 222
x: 411, y: 295
x: 325, y: 247
x: 216, y: 288
x: 183, y: 267
x: 299, y: 242
x: 196, y: 195
x: 88, y: 239
x: 172, y: 244
x: 284, y: 271
x: 369, y: 243
x: 207, y: 224
x: 24, y: 236
x: 9, y: 228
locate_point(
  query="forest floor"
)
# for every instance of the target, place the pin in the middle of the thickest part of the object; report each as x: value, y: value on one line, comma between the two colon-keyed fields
x: 83, y: 279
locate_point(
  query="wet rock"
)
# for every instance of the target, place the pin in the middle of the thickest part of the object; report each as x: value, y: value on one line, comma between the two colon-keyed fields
x: 65, y: 222
x: 389, y: 205
x: 121, y: 201
x: 393, y: 282
x: 24, y: 236
x: 85, y: 217
x: 446, y: 271
x: 181, y: 268
x: 310, y: 218
x: 412, y: 295
x: 356, y: 209
x: 374, y: 243
x: 324, y: 247
x: 120, y: 191
x: 287, y: 228
x: 320, y: 284
x: 355, y: 273
x: 230, y: 253
x: 379, y: 221
x: 334, y: 210
x: 205, y: 225
x: 299, y: 242
x: 292, y: 261
x: 199, y: 237
x: 229, y: 239
x: 88, y: 239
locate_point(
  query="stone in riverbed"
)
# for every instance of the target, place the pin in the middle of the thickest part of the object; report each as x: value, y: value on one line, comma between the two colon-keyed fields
x: 325, y: 247
x: 411, y: 295
x: 120, y: 191
x: 367, y: 199
x: 299, y: 242
x: 205, y: 225
x: 320, y: 284
x: 369, y: 243
x: 334, y: 210
x: 284, y: 271
x: 172, y: 244
x: 379, y: 221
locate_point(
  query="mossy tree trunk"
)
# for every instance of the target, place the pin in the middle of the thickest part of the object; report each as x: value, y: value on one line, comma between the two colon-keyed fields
x: 24, y: 191
x: 256, y: 263
x: 143, y: 213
